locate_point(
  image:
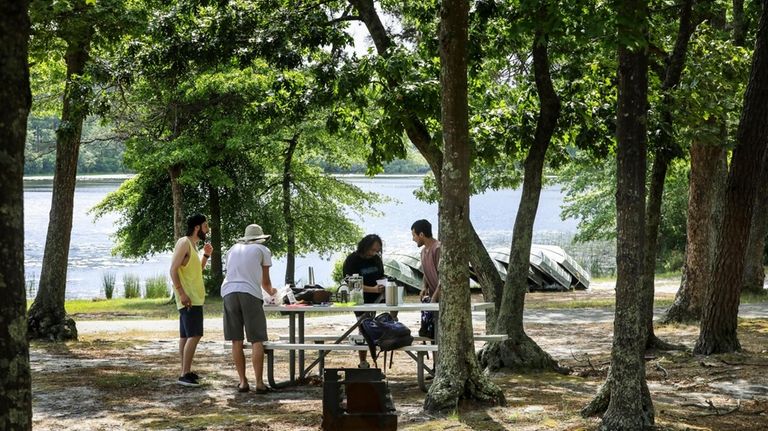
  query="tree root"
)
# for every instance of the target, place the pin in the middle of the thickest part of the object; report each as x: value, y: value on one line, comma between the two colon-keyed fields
x: 616, y: 420
x: 522, y: 354
x: 51, y: 328
x: 656, y: 343
x: 680, y: 313
x: 599, y: 403
x: 446, y: 391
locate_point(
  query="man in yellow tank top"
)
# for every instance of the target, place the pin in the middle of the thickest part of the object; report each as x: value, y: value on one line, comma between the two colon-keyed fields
x: 187, y: 275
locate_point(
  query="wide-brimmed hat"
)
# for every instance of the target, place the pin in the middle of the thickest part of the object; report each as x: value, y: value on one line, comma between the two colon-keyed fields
x: 253, y: 232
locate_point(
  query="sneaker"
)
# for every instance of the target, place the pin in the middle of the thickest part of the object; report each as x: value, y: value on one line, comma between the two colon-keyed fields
x: 364, y: 364
x: 187, y: 380
x: 194, y: 376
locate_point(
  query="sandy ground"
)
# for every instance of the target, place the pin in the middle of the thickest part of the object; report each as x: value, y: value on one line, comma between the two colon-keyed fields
x: 121, y: 375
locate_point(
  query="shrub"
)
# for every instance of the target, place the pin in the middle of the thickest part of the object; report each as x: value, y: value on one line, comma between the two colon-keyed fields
x: 338, y: 271
x: 108, y: 283
x: 131, y: 286
x: 156, y: 287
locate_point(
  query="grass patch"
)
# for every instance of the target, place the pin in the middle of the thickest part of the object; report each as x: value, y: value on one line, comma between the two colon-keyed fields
x: 108, y: 284
x: 157, y: 287
x: 120, y: 308
x: 131, y: 286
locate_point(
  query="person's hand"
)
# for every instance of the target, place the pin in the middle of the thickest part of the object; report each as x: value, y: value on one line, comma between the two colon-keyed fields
x: 380, y: 288
x: 208, y: 248
x: 185, y: 300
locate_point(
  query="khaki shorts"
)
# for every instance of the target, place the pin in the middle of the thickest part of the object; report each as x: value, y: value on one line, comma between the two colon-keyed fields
x: 242, y: 310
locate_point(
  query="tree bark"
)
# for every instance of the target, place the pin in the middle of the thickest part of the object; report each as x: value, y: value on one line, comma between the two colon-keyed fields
x: 666, y: 151
x: 721, y: 307
x: 178, y: 202
x: 754, y: 273
x: 488, y: 277
x: 739, y: 23
x: 706, y: 187
x: 290, y: 225
x: 15, y: 102
x: 519, y: 350
x: 217, y: 266
x: 458, y: 373
x: 47, y: 316
x: 625, y: 392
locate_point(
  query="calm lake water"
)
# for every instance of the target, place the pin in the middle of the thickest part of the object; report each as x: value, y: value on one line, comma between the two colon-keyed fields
x: 90, y: 254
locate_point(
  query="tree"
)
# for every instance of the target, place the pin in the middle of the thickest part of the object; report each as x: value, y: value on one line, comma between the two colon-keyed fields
x: 624, y: 397
x: 407, y: 109
x: 720, y: 316
x: 708, y: 165
x: 754, y: 273
x: 519, y: 350
x: 458, y: 373
x: 708, y: 112
x: 15, y: 102
x: 81, y: 26
x: 666, y: 149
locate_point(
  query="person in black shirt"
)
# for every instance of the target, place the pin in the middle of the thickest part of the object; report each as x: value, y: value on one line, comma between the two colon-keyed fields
x: 366, y: 262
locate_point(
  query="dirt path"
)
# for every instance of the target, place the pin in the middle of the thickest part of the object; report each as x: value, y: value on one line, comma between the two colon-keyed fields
x: 121, y: 375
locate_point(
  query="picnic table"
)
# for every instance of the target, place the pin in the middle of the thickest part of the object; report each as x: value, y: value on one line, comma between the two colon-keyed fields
x: 297, y: 342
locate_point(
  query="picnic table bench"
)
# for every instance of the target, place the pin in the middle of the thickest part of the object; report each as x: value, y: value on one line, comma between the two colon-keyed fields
x: 297, y: 343
x: 417, y: 352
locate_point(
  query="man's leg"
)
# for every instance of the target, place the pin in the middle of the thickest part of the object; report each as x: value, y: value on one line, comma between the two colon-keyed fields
x: 257, y: 358
x: 189, y: 353
x: 239, y: 357
x: 182, y: 343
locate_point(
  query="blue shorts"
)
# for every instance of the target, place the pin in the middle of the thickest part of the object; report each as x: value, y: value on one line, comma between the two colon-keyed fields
x: 191, y: 321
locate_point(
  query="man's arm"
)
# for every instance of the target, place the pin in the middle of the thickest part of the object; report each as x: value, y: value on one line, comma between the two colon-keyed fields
x: 179, y: 253
x: 207, y: 250
x: 266, y: 282
x: 436, y: 294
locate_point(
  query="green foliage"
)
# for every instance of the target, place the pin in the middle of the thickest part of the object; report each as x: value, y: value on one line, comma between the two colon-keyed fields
x: 156, y: 287
x: 108, y: 284
x: 131, y: 286
x: 99, y: 152
x: 337, y: 274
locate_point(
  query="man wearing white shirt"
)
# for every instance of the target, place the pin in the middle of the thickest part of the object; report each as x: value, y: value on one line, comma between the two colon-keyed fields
x: 248, y: 263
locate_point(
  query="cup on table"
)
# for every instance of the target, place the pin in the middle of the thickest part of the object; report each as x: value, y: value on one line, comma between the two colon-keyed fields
x: 381, y: 282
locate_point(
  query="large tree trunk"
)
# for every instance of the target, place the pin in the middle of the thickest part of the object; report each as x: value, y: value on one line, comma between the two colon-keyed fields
x: 705, y: 189
x: 666, y: 150
x: 178, y: 202
x: 15, y: 100
x: 458, y: 374
x: 290, y: 225
x: 721, y: 307
x: 488, y: 276
x: 519, y: 351
x: 625, y: 396
x: 47, y: 317
x: 754, y: 274
x: 217, y: 266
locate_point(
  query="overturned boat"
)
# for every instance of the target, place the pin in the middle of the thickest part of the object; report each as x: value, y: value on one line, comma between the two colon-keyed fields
x: 550, y: 269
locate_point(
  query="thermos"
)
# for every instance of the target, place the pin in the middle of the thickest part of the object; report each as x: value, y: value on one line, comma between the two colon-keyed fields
x: 390, y: 293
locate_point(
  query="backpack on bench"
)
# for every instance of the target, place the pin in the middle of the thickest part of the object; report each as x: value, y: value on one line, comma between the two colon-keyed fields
x: 386, y: 333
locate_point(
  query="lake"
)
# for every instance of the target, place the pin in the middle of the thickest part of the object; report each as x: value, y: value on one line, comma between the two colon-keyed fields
x: 90, y: 255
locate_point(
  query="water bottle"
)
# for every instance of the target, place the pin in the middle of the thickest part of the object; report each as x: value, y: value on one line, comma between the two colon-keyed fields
x: 344, y: 292
x: 289, y: 294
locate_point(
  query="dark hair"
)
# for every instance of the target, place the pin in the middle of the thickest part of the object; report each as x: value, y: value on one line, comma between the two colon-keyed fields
x: 367, y: 242
x: 194, y: 220
x: 422, y: 226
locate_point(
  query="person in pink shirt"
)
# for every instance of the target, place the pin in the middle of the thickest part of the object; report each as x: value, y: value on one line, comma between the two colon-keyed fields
x: 430, y: 258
